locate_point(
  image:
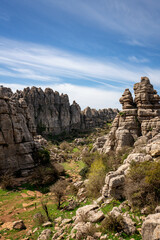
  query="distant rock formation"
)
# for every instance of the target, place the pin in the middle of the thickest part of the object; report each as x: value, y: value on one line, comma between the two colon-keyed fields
x: 52, y: 112
x: 140, y: 116
x: 32, y: 111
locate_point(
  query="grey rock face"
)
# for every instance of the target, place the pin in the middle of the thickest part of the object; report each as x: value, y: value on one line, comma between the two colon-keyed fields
x: 140, y: 116
x: 52, y: 112
x: 151, y: 227
x: 32, y: 111
x: 16, y: 134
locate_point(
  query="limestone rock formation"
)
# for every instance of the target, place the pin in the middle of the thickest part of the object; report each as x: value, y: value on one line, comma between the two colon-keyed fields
x: 115, y: 180
x: 16, y: 135
x: 26, y: 113
x: 52, y: 113
x: 151, y: 227
x: 139, y: 117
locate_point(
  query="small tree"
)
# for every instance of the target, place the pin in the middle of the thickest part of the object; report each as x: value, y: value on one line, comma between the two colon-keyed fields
x: 59, y: 190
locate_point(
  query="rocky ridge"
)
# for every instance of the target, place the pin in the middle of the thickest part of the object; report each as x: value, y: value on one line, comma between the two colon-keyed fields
x: 16, y: 135
x: 52, y: 112
x: 32, y: 111
x: 139, y: 117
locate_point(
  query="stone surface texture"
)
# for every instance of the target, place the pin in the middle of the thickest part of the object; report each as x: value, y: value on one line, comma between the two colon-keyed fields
x: 52, y: 112
x: 139, y: 117
x: 16, y: 134
x: 26, y: 113
x: 151, y: 227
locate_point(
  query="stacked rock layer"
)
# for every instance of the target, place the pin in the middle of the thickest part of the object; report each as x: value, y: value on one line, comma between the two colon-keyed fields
x: 140, y: 116
x: 16, y: 135
x: 52, y: 112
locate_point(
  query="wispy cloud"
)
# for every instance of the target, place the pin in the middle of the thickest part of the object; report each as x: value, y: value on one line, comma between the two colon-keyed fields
x: 47, y: 64
x: 138, y: 59
x: 26, y: 60
x: 138, y: 20
x: 134, y: 42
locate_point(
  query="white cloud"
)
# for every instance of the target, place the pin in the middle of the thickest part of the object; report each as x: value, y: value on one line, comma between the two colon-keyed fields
x: 138, y: 60
x: 138, y: 20
x: 49, y: 66
x: 33, y: 61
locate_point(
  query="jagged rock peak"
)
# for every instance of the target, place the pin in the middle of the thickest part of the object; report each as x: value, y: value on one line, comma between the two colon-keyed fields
x: 145, y: 95
x: 140, y: 116
x: 5, y: 92
x: 126, y: 100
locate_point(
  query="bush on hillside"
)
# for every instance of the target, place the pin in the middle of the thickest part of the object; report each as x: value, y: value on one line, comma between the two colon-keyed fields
x: 59, y: 190
x: 44, y: 175
x: 96, y: 178
x: 42, y: 156
x: 65, y: 146
x: 142, y: 186
x: 111, y: 161
x: 113, y: 224
x: 6, y: 181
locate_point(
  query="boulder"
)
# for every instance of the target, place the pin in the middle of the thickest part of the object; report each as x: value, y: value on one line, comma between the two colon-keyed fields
x: 45, y: 234
x: 126, y: 221
x: 19, y: 225
x: 81, y: 230
x: 89, y: 213
x: 151, y: 227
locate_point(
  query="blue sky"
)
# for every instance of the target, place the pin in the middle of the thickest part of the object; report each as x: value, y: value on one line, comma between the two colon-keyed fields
x: 90, y: 49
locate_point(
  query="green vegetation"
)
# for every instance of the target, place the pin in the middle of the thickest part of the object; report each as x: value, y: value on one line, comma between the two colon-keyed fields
x: 96, y: 178
x: 108, y: 207
x: 44, y: 176
x: 122, y: 113
x: 143, y: 185
x: 75, y: 150
x: 42, y: 156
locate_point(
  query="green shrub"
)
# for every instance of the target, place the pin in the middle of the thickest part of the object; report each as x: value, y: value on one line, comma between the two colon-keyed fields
x: 111, y: 160
x: 42, y: 156
x: 75, y: 150
x: 65, y: 146
x: 43, y: 176
x: 96, y: 178
x: 143, y: 185
x: 83, y: 172
x: 113, y: 224
x: 122, y: 113
x: 6, y: 181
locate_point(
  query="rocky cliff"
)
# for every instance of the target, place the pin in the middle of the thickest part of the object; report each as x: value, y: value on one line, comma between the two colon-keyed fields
x: 139, y: 117
x: 52, y: 112
x: 32, y: 111
x: 16, y: 134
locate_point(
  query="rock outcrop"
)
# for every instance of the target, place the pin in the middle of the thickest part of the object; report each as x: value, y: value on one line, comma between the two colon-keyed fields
x: 115, y: 181
x: 26, y: 113
x: 148, y: 150
x: 139, y: 117
x: 151, y: 227
x: 52, y: 112
x: 16, y: 135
